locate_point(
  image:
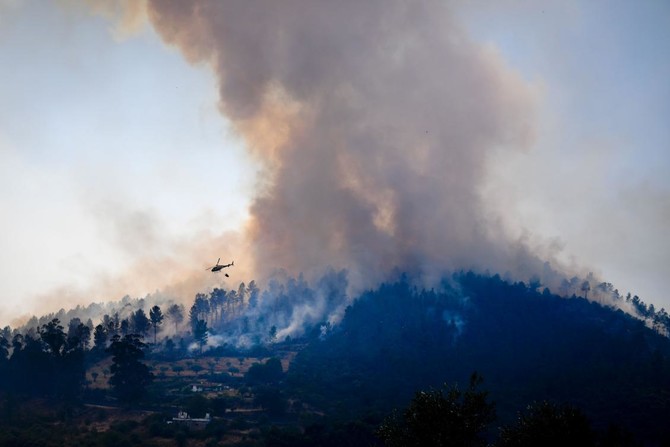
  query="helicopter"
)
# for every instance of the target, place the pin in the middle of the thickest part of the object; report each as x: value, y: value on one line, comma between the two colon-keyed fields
x: 218, y: 267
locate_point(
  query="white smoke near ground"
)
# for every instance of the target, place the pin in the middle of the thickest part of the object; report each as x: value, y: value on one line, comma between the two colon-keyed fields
x: 290, y: 307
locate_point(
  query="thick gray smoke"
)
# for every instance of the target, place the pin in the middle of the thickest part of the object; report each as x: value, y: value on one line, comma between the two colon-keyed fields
x: 373, y: 120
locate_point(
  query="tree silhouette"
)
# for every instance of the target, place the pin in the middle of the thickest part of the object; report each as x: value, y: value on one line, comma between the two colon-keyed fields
x: 4, y: 361
x: 156, y: 317
x: 548, y: 425
x: 100, y: 337
x: 52, y: 365
x: 79, y: 334
x: 130, y: 376
x: 241, y: 294
x: 176, y: 313
x: 4, y: 348
x: 253, y: 292
x: 231, y: 301
x: 140, y: 322
x: 269, y: 372
x: 114, y: 324
x: 200, y: 333
x: 53, y: 336
x: 437, y: 418
x: 124, y: 327
x: 200, y: 309
x: 217, y: 300
x: 72, y: 327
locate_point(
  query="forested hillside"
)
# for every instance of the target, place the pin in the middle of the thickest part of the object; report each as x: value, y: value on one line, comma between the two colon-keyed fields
x: 296, y: 364
x: 529, y: 346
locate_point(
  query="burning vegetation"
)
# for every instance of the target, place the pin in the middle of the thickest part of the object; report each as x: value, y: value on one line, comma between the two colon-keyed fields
x: 303, y: 356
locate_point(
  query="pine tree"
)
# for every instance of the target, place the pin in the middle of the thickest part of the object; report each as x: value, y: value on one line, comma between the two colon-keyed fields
x: 176, y: 314
x: 200, y: 333
x: 130, y: 376
x: 156, y: 317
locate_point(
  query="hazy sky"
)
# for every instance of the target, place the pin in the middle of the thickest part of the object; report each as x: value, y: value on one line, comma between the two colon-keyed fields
x: 597, y: 178
x: 114, y: 152
x: 110, y: 150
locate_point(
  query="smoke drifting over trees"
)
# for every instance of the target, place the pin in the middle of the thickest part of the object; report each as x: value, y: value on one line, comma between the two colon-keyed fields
x: 372, y: 242
x: 373, y: 123
x: 387, y: 135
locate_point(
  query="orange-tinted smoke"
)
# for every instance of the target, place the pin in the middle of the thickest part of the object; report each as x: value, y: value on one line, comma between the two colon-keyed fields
x: 373, y: 120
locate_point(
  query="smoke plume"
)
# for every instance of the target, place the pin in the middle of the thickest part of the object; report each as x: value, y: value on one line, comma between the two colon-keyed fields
x: 373, y: 120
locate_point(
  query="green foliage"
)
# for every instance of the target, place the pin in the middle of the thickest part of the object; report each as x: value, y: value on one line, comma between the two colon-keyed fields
x: 441, y: 418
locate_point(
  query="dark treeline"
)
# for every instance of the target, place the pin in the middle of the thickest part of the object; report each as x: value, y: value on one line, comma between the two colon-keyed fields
x: 47, y: 358
x: 247, y: 316
x: 49, y: 363
x: 530, y: 345
x: 357, y: 360
x: 242, y: 317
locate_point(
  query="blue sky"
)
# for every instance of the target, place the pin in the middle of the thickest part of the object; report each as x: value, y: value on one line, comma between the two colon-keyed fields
x: 113, y: 150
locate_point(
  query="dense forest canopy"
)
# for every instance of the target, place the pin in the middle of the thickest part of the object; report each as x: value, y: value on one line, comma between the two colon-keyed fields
x: 352, y: 358
x: 290, y: 305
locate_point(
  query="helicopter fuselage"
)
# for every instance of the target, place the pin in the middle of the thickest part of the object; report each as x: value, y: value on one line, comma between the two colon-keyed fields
x: 218, y: 266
